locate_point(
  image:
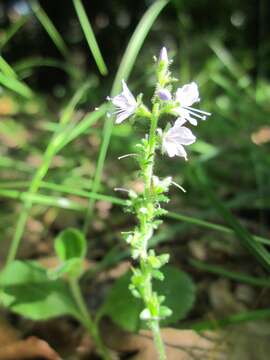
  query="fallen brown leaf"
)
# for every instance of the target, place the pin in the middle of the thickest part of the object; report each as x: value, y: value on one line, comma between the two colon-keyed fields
x: 180, y: 344
x: 30, y: 348
x: 13, y: 348
x: 261, y: 136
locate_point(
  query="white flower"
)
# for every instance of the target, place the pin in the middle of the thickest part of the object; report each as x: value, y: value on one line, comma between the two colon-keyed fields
x: 176, y: 137
x: 187, y: 96
x: 125, y: 103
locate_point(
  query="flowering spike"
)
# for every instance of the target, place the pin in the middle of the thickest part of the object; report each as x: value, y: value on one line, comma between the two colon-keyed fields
x: 146, y: 203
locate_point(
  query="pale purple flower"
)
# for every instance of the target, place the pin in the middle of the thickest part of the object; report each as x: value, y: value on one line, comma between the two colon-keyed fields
x: 125, y: 103
x: 163, y: 55
x: 175, y: 138
x: 164, y: 94
x: 187, y: 96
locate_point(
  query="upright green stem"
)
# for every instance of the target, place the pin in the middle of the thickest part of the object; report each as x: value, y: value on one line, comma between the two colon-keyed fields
x: 154, y: 323
x: 152, y: 145
x: 87, y: 320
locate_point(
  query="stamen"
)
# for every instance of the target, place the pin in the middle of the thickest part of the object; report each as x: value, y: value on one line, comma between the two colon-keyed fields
x: 196, y: 110
x: 203, y: 117
x: 178, y: 186
x: 121, y: 189
x: 127, y: 155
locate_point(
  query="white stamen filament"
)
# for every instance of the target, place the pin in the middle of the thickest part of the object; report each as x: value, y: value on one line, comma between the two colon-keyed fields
x: 121, y: 189
x: 125, y: 156
x: 178, y: 186
x: 196, y: 110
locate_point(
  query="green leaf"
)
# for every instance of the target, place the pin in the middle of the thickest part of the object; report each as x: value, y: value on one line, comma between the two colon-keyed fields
x: 26, y: 290
x: 179, y: 290
x: 124, y: 309
x: 72, y: 267
x: 49, y: 27
x: 90, y: 36
x: 15, y: 85
x: 70, y: 244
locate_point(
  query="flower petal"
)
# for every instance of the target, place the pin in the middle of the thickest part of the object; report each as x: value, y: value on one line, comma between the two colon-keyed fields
x: 128, y: 95
x: 181, y: 151
x: 180, y: 121
x: 188, y: 94
x: 170, y: 148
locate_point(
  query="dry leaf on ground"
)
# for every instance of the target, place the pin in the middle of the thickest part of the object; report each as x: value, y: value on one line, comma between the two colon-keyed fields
x: 30, y: 348
x: 12, y: 348
x: 180, y: 344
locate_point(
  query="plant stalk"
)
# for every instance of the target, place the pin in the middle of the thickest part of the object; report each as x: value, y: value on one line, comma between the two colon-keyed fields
x: 87, y: 320
x: 154, y: 323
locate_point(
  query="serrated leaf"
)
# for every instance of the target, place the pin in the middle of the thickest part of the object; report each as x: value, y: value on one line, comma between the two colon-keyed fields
x: 26, y: 290
x: 125, y: 310
x: 70, y: 244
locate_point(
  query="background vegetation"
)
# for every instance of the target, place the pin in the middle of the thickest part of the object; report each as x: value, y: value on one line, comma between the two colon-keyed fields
x: 53, y: 75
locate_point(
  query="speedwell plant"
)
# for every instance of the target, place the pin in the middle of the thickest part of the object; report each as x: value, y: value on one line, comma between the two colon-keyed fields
x: 146, y: 206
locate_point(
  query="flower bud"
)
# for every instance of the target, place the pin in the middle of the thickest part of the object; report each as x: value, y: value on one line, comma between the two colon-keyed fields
x: 145, y: 315
x: 163, y: 55
x: 164, y: 94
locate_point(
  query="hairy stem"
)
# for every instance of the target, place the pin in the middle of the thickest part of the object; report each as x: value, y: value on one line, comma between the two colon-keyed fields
x: 154, y: 326
x: 148, y: 175
x: 151, y: 153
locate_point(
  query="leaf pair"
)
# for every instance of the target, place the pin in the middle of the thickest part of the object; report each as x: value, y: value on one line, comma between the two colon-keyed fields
x: 32, y: 291
x: 70, y: 247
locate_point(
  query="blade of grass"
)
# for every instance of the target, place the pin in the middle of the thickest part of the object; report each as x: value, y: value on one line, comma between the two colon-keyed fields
x: 90, y: 36
x: 34, y: 62
x: 8, y: 162
x: 69, y: 109
x: 6, y: 68
x: 12, y: 30
x: 209, y: 225
x: 123, y: 72
x: 84, y: 124
x: 59, y: 202
x: 117, y: 201
x: 255, y: 315
x: 255, y: 249
x: 49, y: 27
x: 50, y: 152
x: 218, y: 270
x: 227, y: 59
x: 15, y: 85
